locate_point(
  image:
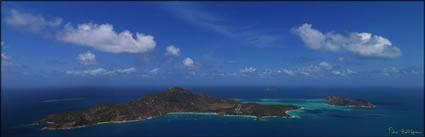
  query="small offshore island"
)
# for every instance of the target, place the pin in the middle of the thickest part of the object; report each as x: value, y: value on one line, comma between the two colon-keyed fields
x: 340, y: 101
x: 174, y: 100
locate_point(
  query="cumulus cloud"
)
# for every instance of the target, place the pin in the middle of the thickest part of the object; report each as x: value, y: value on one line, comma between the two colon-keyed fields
x: 286, y: 71
x: 248, y: 70
x: 30, y: 22
x: 190, y: 65
x: 188, y: 62
x: 321, y: 70
x: 101, y: 72
x: 360, y: 44
x: 325, y: 65
x: 103, y: 37
x: 324, y: 69
x: 87, y: 58
x: 173, y: 51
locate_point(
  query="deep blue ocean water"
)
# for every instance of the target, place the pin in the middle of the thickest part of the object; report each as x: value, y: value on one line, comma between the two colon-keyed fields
x: 399, y: 108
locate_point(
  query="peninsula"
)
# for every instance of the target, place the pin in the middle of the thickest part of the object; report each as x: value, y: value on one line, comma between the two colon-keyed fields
x: 156, y: 104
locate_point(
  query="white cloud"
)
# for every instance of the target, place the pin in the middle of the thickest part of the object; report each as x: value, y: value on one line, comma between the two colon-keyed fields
x: 155, y: 70
x: 402, y: 72
x: 103, y: 37
x: 321, y: 70
x: 342, y: 73
x: 390, y: 70
x: 336, y: 72
x: 308, y: 70
x: 101, y: 71
x: 5, y: 57
x: 87, y: 58
x: 286, y: 71
x: 412, y: 70
x: 172, y: 50
x: 325, y: 65
x: 94, y: 72
x: 8, y: 63
x: 248, y: 70
x: 324, y: 69
x: 127, y: 70
x: 361, y: 44
x: 2, y: 43
x: 188, y: 62
x: 30, y: 22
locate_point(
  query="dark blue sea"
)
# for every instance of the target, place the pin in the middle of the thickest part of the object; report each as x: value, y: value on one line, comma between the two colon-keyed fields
x: 397, y: 108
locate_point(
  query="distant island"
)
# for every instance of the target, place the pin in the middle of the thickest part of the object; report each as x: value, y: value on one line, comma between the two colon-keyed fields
x: 175, y: 100
x: 169, y: 101
x: 340, y: 101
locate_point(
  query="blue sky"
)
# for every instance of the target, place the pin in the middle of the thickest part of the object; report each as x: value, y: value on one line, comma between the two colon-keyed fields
x: 212, y: 43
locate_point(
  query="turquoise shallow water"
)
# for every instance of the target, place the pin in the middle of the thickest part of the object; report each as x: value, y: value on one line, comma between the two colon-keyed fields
x: 307, y: 105
x: 396, y: 108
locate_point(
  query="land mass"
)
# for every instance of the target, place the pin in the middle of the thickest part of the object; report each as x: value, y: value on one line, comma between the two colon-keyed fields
x: 340, y: 101
x: 153, y: 105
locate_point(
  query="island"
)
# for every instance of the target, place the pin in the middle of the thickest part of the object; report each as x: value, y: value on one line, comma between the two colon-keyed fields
x: 172, y: 100
x: 340, y: 101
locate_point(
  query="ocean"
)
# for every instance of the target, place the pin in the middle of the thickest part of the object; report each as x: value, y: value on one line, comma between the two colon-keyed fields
x: 397, y: 108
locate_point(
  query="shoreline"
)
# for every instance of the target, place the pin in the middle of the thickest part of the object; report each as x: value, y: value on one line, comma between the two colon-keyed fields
x: 148, y: 118
x: 209, y: 113
x: 352, y: 106
x: 293, y: 110
x: 99, y: 123
x: 240, y: 116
